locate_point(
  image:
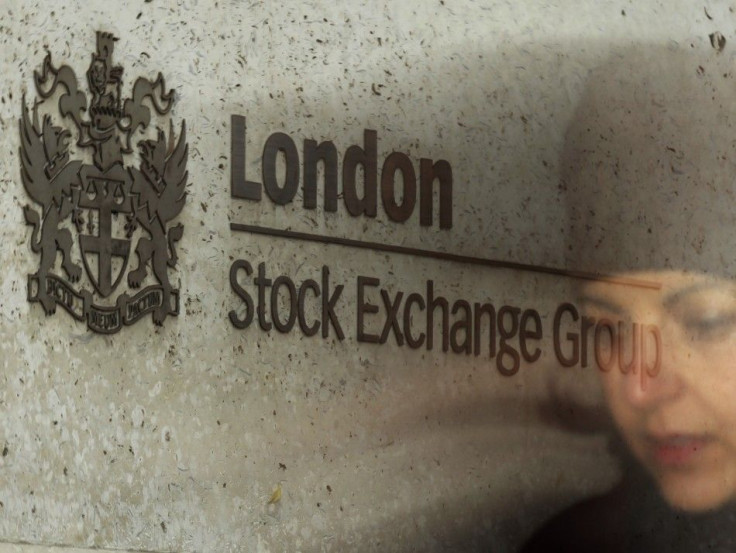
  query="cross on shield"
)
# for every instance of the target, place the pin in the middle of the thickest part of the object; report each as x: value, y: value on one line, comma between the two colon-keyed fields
x: 108, y: 194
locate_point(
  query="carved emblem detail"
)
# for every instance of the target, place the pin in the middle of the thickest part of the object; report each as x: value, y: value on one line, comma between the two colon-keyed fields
x: 95, y: 214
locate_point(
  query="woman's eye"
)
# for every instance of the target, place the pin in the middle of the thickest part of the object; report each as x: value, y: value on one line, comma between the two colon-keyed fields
x: 711, y: 326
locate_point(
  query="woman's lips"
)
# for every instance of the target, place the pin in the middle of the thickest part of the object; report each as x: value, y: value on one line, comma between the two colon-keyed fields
x: 678, y: 450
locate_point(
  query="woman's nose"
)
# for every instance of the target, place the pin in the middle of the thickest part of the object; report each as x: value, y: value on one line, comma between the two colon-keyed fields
x: 646, y: 387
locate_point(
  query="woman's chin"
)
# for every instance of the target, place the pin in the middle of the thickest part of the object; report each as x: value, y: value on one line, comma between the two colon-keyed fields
x: 694, y: 493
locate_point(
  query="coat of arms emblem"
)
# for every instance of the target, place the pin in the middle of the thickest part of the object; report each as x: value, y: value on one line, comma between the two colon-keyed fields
x: 97, y: 211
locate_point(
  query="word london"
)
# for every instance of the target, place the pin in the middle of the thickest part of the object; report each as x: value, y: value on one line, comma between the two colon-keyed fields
x: 355, y: 156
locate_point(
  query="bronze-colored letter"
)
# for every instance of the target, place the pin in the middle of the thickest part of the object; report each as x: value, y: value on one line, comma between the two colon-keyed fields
x: 239, y: 187
x: 428, y: 173
x: 354, y: 156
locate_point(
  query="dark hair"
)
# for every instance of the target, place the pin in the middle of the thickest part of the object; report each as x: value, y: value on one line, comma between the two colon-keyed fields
x: 649, y: 164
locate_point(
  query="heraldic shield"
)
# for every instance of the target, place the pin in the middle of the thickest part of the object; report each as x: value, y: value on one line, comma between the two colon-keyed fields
x: 105, y: 196
x: 113, y: 209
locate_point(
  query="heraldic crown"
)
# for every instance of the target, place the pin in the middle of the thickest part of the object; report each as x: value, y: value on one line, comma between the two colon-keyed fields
x: 95, y: 212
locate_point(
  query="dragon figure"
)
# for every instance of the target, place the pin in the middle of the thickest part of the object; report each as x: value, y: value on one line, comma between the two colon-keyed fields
x: 48, y: 176
x: 159, y: 184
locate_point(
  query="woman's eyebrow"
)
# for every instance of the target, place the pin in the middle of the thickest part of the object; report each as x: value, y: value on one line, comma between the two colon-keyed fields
x: 596, y: 301
x: 678, y: 295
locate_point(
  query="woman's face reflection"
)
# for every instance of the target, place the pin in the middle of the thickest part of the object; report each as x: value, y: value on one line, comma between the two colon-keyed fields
x: 681, y: 424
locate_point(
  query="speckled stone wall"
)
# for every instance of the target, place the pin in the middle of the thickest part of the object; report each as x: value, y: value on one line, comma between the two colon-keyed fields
x: 198, y: 436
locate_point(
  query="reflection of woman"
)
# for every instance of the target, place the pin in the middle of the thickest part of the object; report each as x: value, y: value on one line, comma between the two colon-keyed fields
x: 649, y: 171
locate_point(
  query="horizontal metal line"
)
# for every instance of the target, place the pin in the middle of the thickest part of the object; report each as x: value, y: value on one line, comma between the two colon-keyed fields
x: 24, y: 545
x: 442, y: 256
